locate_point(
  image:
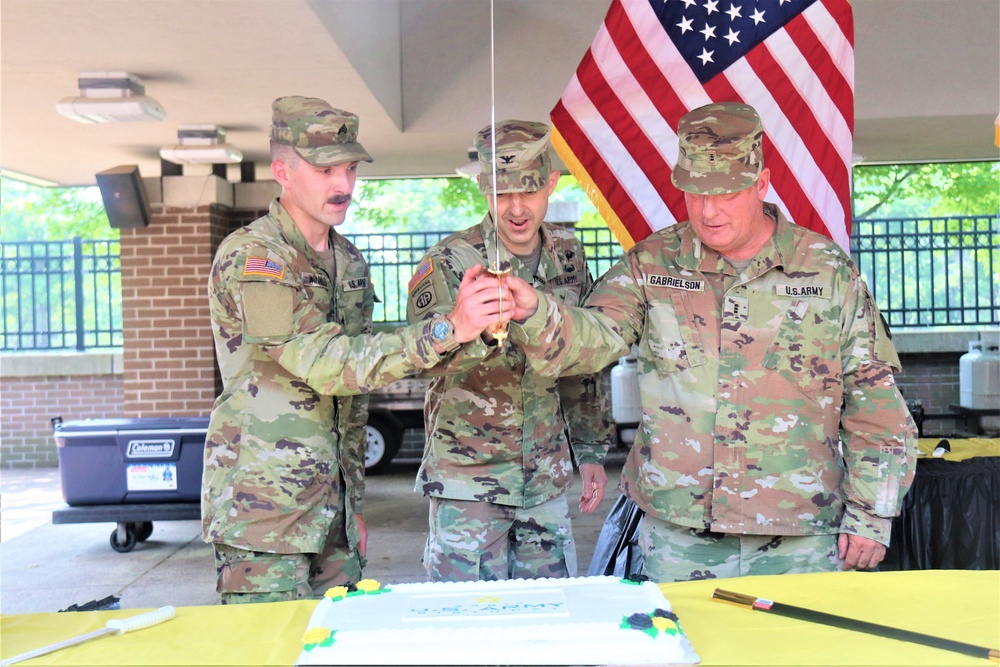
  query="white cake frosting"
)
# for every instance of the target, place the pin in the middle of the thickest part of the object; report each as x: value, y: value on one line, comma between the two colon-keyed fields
x: 584, y: 620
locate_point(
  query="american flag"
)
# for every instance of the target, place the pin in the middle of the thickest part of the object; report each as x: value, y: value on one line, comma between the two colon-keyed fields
x: 262, y: 266
x: 422, y: 271
x: 654, y: 60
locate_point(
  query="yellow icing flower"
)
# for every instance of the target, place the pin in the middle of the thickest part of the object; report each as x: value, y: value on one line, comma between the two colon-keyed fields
x: 336, y: 592
x: 368, y: 585
x: 662, y: 624
x: 315, y: 635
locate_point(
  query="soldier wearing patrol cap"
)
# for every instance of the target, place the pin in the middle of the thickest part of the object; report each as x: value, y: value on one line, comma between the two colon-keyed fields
x: 291, y: 303
x: 773, y: 437
x: 497, y: 460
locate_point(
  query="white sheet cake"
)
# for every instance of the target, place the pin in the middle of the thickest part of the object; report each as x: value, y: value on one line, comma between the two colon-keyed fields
x: 581, y: 621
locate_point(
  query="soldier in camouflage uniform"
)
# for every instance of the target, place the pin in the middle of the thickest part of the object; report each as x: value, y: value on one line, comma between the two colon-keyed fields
x: 291, y: 304
x: 773, y: 437
x: 497, y: 464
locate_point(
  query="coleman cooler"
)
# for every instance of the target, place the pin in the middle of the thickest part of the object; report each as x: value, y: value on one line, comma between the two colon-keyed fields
x: 147, y: 460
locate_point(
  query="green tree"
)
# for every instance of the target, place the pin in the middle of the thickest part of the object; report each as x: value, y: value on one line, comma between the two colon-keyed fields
x: 439, y: 204
x: 31, y: 213
x: 931, y: 201
x: 414, y: 204
x: 39, y: 310
x: 938, y: 189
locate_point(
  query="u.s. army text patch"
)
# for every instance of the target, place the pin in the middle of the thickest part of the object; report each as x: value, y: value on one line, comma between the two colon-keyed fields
x: 354, y: 284
x: 802, y: 290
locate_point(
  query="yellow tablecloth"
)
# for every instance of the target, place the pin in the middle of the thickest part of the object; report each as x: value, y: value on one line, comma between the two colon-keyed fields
x: 959, y: 605
x: 961, y: 448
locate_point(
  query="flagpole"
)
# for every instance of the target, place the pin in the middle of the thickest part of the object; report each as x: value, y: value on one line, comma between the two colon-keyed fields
x: 802, y: 614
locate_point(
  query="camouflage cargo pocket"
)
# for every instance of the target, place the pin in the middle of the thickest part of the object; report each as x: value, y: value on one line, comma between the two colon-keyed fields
x: 671, y: 337
x: 253, y: 572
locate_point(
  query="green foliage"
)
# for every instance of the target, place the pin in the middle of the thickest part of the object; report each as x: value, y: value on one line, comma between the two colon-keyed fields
x: 462, y: 195
x: 913, y: 193
x: 916, y: 190
x: 439, y: 204
x: 415, y: 204
x: 31, y: 213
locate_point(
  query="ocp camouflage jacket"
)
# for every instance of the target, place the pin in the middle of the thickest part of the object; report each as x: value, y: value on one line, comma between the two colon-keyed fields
x: 768, y: 399
x: 496, y: 430
x: 281, y: 450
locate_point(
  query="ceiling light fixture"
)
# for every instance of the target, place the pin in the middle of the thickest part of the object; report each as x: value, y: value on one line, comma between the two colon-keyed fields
x: 201, y: 144
x: 111, y: 97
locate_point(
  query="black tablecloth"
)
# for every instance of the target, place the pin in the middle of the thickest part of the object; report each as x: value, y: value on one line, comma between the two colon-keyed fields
x: 950, y: 520
x: 950, y: 517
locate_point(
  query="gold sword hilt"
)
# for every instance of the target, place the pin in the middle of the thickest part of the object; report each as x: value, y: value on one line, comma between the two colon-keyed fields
x: 500, y: 332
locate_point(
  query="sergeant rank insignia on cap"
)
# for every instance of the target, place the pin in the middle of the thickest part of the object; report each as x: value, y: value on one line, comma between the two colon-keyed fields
x: 262, y: 266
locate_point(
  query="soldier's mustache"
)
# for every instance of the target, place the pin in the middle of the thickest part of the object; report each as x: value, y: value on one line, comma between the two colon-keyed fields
x: 340, y: 199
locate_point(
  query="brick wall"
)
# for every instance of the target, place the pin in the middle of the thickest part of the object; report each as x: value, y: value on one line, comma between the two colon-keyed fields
x: 167, y: 367
x: 168, y: 341
x: 932, y: 379
x: 41, y: 389
x: 169, y: 356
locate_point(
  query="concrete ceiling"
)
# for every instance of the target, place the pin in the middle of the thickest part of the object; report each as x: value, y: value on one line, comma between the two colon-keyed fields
x: 418, y: 74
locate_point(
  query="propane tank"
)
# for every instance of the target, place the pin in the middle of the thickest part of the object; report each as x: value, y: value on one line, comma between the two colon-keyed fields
x: 626, y: 407
x: 965, y: 370
x: 986, y: 384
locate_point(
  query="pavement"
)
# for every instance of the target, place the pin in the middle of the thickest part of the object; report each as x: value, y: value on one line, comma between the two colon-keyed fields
x: 46, y: 567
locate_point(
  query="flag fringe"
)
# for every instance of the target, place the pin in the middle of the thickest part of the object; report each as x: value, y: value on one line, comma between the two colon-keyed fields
x: 604, y: 209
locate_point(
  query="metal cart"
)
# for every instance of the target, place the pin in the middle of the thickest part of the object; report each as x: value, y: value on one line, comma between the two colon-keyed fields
x: 135, y: 522
x: 131, y: 472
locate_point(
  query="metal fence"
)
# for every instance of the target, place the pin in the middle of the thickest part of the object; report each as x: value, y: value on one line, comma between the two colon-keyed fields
x: 393, y: 258
x: 931, y: 271
x: 60, y: 295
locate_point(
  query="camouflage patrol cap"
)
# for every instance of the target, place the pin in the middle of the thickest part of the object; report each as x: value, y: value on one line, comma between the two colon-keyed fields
x: 523, y: 162
x: 321, y: 135
x: 720, y: 149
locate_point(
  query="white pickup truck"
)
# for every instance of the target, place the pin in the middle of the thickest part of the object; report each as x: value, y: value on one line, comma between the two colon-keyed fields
x: 400, y: 406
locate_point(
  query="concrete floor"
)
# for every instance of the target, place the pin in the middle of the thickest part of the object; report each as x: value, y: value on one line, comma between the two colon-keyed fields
x: 46, y: 567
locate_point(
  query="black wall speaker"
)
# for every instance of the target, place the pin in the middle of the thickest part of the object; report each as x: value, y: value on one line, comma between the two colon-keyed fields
x: 124, y: 195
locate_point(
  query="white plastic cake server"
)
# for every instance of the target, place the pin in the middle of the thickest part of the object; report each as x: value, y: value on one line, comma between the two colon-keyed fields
x: 116, y: 626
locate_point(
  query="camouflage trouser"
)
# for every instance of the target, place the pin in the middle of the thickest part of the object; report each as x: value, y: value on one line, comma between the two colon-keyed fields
x: 676, y: 553
x: 256, y: 576
x: 471, y: 540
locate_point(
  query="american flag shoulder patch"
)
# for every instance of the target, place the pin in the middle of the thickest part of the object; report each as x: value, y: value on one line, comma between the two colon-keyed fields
x: 262, y: 266
x: 425, y: 269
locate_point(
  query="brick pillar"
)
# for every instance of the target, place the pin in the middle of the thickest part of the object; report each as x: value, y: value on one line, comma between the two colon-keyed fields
x: 168, y: 353
x: 169, y: 356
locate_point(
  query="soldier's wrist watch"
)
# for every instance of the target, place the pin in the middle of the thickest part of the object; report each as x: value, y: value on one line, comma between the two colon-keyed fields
x: 443, y: 333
